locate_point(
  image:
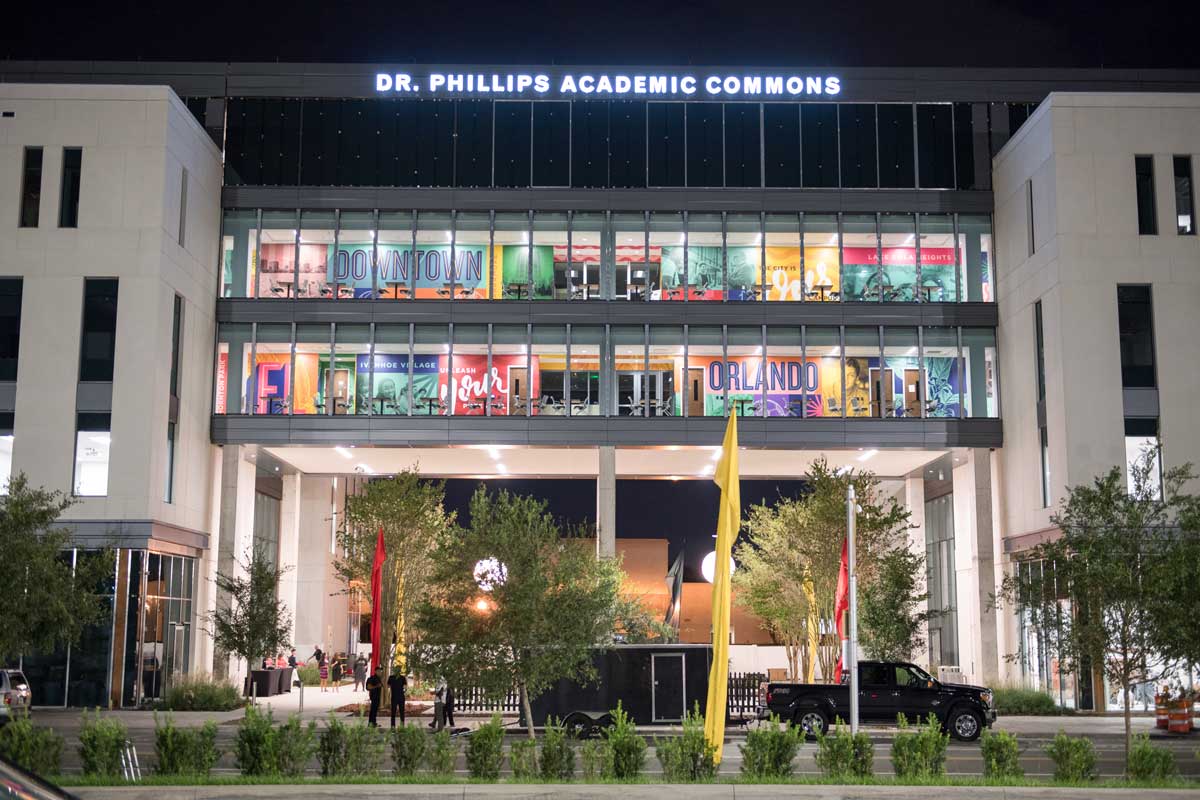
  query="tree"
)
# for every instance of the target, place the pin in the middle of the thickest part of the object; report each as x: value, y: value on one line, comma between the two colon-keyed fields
x: 891, y: 610
x: 255, y: 624
x: 791, y: 555
x: 1175, y: 624
x: 1096, y: 597
x: 515, y: 599
x: 635, y: 623
x: 410, y: 511
x: 49, y: 600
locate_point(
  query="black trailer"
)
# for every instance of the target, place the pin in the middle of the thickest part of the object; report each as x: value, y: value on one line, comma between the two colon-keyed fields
x: 655, y: 683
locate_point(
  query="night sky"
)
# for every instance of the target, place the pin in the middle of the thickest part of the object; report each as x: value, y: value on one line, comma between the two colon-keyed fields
x: 652, y: 32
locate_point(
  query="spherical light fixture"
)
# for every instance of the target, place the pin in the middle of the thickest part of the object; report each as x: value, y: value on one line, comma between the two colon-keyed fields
x: 490, y: 573
x: 709, y: 564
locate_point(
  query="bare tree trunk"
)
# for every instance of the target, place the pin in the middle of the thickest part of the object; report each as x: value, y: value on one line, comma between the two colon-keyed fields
x: 525, y: 708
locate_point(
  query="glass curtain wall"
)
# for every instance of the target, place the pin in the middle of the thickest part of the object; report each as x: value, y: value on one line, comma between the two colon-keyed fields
x: 349, y: 379
x: 745, y: 365
x: 823, y: 371
x: 939, y: 266
x: 898, y: 238
x: 435, y: 251
x: 392, y: 370
x: 861, y: 275
x: 397, y: 272
x: 586, y: 342
x: 472, y: 376
x: 943, y: 381
x: 642, y: 276
x: 276, y: 263
x: 706, y: 372
x: 743, y: 257
x: 517, y: 384
x: 354, y: 271
x: 784, y: 276
x: 548, y: 359
x: 512, y: 255
x: 668, y: 247
x: 271, y: 382
x: 822, y: 258
x: 318, y: 238
x: 705, y: 259
x: 666, y: 360
x: 549, y: 249
x: 428, y: 370
x: 314, y: 345
x: 473, y: 256
x: 861, y: 387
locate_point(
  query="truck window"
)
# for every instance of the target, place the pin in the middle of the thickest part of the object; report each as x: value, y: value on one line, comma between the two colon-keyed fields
x: 905, y: 677
x: 873, y: 675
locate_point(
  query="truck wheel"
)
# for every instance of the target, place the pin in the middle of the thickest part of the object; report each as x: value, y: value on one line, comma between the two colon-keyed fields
x: 964, y: 725
x: 811, y: 721
x: 578, y: 725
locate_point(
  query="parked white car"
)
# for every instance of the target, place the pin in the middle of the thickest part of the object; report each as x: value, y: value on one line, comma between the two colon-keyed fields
x: 15, y: 693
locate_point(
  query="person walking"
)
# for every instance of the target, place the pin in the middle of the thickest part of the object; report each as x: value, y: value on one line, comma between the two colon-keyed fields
x: 397, y: 684
x: 360, y: 672
x: 439, y: 707
x: 448, y: 710
x: 323, y: 671
x: 374, y: 689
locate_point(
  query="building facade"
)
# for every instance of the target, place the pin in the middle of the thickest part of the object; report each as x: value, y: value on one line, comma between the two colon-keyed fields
x: 578, y: 274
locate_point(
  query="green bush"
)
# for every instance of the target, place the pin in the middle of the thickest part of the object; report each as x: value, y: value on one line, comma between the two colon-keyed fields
x: 921, y: 754
x: 293, y: 747
x: 770, y: 749
x: 36, y: 750
x: 485, y: 750
x: 688, y: 757
x: 441, y: 754
x: 1074, y: 759
x: 101, y: 743
x: 595, y: 758
x: 627, y: 750
x: 331, y: 748
x: 522, y: 756
x: 201, y: 693
x: 409, y: 743
x: 254, y: 743
x: 185, y: 751
x: 1016, y: 700
x: 842, y: 755
x: 1000, y: 755
x: 365, y: 746
x: 309, y: 675
x: 557, y: 758
x: 1150, y: 763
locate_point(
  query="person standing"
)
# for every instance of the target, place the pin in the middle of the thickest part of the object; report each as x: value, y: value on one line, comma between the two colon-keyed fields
x: 397, y: 685
x: 323, y: 672
x: 360, y: 672
x: 374, y: 689
x: 292, y: 659
x: 318, y: 655
x: 336, y: 670
x: 448, y: 711
x: 439, y: 707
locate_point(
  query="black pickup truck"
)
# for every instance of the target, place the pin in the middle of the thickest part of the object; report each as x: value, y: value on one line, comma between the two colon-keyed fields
x: 885, y: 689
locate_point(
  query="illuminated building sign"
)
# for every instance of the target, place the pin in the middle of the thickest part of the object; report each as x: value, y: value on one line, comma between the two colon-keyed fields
x: 607, y: 85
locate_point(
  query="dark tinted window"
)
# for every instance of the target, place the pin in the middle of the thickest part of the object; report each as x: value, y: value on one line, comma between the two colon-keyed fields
x: 262, y: 141
x: 742, y: 161
x: 857, y: 125
x: 964, y: 146
x: 627, y: 143
x: 176, y: 341
x: 896, y: 146
x: 665, y: 138
x: 10, y: 327
x: 68, y: 196
x: 31, y: 187
x: 551, y: 144
x: 1017, y: 114
x: 1184, y: 200
x: 99, y: 338
x: 434, y: 143
x: 357, y: 151
x: 819, y: 140
x: 1147, y: 215
x: 705, y: 156
x: 473, y: 144
x: 320, y: 133
x: 1135, y: 321
x: 872, y: 674
x: 513, y: 120
x: 589, y: 144
x: 781, y: 144
x: 935, y: 146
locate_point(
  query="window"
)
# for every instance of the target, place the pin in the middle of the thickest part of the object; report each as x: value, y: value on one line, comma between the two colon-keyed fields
x: 1147, y: 216
x: 6, y: 448
x: 512, y: 142
x: 93, y: 439
x: 176, y: 343
x: 1030, y: 238
x: 173, y: 409
x: 627, y: 143
x: 169, y: 482
x: 1043, y: 433
x: 857, y: 141
x: 97, y: 344
x: 742, y: 162
x: 705, y: 145
x: 665, y: 143
x: 1143, y: 465
x: 183, y: 187
x: 781, y: 144
x: 10, y: 327
x: 819, y: 137
x: 68, y: 197
x: 1184, y: 205
x: 551, y: 144
x: 935, y: 146
x: 473, y: 144
x: 31, y: 187
x: 589, y: 144
x: 896, y: 168
x: 1135, y: 324
x: 874, y: 674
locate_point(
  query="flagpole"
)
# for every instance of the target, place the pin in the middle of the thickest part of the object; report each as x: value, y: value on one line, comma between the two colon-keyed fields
x: 852, y: 654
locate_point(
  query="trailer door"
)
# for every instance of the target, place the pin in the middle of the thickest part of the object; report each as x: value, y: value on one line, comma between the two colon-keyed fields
x: 667, y: 700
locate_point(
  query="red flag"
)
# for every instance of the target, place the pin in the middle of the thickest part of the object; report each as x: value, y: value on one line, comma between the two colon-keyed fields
x: 376, y: 600
x: 841, y: 605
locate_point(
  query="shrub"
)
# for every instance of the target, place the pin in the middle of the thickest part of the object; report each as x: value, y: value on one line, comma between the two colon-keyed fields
x: 523, y: 758
x: 688, y: 757
x: 185, y: 751
x: 921, y: 754
x: 770, y: 749
x: 441, y: 754
x: 1000, y: 754
x: 595, y: 758
x: 331, y: 748
x: 101, y: 743
x: 201, y: 693
x: 1149, y: 763
x: 254, y: 743
x: 558, y: 757
x: 627, y: 750
x: 36, y: 750
x: 309, y: 675
x: 842, y: 755
x: 409, y: 744
x: 1016, y: 700
x: 1074, y: 759
x: 294, y: 746
x: 485, y: 750
x: 365, y: 747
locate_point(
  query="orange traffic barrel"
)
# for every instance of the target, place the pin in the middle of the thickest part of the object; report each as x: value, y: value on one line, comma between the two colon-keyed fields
x: 1160, y: 711
x: 1179, y: 719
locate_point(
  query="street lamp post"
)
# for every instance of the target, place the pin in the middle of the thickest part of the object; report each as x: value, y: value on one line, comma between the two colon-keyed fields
x: 852, y: 649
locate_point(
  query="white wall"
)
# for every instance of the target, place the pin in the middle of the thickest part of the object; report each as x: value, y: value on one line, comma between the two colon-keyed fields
x: 322, y: 612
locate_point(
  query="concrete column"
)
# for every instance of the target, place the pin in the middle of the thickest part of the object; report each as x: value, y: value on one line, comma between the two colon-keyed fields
x: 289, y: 547
x: 975, y: 567
x: 235, y: 538
x: 606, y: 504
x: 206, y: 572
x: 914, y: 502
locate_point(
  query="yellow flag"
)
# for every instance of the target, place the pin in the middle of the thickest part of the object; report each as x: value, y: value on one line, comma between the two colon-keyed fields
x: 729, y: 519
